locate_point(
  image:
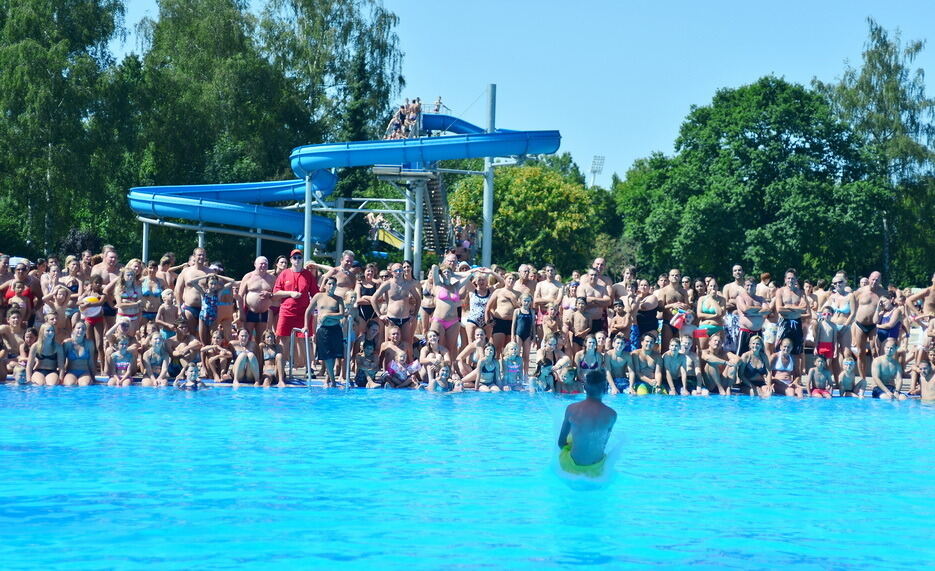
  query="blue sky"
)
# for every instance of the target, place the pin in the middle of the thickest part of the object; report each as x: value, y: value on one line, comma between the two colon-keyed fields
x: 618, y: 78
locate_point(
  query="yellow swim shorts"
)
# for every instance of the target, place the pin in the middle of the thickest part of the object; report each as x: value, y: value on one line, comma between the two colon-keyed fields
x: 565, y: 460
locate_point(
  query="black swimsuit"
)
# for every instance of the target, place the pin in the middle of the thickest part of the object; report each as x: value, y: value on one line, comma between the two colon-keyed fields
x: 524, y: 324
x: 366, y: 311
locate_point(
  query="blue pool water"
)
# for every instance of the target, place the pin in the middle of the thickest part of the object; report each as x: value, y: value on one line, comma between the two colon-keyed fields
x: 115, y: 478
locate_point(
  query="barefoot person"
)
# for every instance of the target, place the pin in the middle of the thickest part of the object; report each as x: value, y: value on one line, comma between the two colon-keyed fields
x: 329, y: 337
x: 295, y: 286
x: 189, y: 296
x: 887, y: 374
x: 256, y: 291
x: 586, y: 429
x: 791, y: 304
x: 868, y: 300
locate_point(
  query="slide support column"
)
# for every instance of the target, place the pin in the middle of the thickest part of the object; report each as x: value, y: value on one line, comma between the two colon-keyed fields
x: 145, y: 242
x: 259, y: 243
x: 307, y: 229
x: 487, y: 244
x: 201, y: 238
x: 407, y: 235
x: 339, y: 241
x: 420, y: 236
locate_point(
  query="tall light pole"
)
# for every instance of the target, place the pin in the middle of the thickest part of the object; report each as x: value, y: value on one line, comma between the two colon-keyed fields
x: 597, y: 167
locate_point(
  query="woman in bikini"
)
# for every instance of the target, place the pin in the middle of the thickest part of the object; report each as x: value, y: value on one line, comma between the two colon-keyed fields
x: 472, y: 353
x: 754, y: 371
x: 245, y: 367
x: 711, y: 311
x: 486, y: 377
x: 151, y: 288
x: 72, y: 282
x: 156, y: 361
x: 273, y: 368
x: 217, y: 357
x: 56, y: 303
x: 428, y: 305
x: 46, y: 358
x: 844, y: 307
x: 448, y: 291
x: 432, y: 357
x: 783, y: 369
x: 128, y: 294
x: 79, y: 357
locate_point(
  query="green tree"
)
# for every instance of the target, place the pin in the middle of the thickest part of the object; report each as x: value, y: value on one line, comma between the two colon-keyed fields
x: 885, y: 105
x: 52, y: 55
x: 764, y: 175
x: 538, y: 216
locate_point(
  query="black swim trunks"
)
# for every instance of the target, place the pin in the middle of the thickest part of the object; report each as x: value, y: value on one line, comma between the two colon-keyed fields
x: 329, y: 342
x: 504, y: 326
x: 790, y: 329
x: 253, y: 317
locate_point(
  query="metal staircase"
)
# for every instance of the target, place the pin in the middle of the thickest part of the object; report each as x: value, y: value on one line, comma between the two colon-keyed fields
x: 436, y: 222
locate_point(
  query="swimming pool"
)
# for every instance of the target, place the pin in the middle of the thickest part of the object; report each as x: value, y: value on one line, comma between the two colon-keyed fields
x: 102, y: 477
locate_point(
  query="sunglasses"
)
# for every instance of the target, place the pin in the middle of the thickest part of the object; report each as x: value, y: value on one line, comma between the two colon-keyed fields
x: 384, y: 275
x: 297, y: 257
x: 836, y: 283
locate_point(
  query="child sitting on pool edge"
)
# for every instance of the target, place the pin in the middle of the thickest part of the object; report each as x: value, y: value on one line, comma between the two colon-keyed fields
x: 586, y: 429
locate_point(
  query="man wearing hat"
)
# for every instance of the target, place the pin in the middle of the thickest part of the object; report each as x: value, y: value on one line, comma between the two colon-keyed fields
x: 295, y: 286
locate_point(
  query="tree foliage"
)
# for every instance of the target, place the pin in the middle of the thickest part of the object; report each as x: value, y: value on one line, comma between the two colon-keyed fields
x: 764, y: 175
x: 538, y: 216
x: 218, y: 94
x: 885, y: 105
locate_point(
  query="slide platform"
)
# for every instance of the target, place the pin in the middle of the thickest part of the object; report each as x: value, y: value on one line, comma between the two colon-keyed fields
x: 241, y: 204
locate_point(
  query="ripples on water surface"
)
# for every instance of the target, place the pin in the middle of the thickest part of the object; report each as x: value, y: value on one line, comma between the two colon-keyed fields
x: 103, y: 477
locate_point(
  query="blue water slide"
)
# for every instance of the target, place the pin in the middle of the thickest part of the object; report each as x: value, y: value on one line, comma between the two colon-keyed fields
x: 241, y: 204
x: 469, y: 142
x: 237, y: 204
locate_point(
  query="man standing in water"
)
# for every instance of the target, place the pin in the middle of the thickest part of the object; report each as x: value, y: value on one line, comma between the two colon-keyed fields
x: 586, y: 429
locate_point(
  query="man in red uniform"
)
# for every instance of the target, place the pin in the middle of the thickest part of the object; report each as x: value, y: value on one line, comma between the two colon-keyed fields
x: 295, y: 286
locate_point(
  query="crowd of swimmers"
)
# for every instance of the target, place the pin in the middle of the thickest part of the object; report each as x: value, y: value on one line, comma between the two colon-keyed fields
x: 461, y: 328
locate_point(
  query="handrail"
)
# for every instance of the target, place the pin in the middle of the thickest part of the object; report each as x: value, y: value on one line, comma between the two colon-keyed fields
x: 308, y: 364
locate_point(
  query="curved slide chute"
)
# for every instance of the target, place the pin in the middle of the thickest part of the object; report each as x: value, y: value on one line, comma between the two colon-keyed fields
x: 471, y: 145
x: 240, y: 204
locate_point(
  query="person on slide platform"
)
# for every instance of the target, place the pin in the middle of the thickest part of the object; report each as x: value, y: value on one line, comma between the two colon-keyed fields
x: 586, y: 429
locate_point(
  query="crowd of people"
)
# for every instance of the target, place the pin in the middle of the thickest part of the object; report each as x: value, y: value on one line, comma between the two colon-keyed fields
x: 405, y: 121
x: 461, y: 328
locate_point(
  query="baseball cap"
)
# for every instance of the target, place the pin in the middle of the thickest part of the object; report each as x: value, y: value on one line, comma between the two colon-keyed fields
x: 294, y: 252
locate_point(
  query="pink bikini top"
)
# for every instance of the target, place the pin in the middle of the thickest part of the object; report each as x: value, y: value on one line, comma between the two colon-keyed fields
x: 446, y: 295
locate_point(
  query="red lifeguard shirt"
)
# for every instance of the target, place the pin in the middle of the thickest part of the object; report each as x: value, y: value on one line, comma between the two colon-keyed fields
x: 292, y: 311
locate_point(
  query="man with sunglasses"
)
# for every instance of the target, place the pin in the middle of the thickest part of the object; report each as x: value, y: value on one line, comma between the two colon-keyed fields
x: 295, y: 286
